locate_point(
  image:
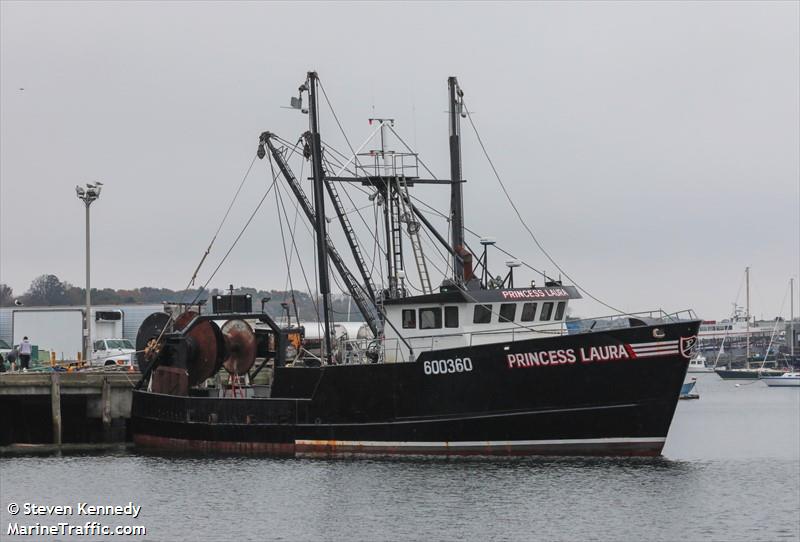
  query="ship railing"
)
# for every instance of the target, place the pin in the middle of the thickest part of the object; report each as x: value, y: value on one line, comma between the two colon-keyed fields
x: 634, y: 319
x: 385, y: 350
x: 389, y: 163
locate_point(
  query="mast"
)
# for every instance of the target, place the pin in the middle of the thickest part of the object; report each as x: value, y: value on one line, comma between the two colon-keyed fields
x: 358, y: 294
x: 747, y: 314
x: 319, y: 205
x: 791, y: 316
x: 456, y: 196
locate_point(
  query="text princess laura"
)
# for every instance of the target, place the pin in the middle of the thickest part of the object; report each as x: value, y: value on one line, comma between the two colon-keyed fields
x: 568, y: 356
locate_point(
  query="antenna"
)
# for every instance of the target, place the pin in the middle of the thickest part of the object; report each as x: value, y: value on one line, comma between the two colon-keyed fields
x: 297, y: 103
x: 486, y: 242
x: 511, y: 264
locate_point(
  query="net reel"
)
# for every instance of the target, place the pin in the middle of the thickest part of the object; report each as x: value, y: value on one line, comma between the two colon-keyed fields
x: 150, y: 340
x: 197, y: 347
x: 240, y: 346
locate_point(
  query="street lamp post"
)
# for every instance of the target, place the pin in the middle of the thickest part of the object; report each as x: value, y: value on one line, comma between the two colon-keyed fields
x: 88, y: 194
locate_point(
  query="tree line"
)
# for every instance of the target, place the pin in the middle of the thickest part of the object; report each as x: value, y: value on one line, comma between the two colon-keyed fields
x: 49, y: 290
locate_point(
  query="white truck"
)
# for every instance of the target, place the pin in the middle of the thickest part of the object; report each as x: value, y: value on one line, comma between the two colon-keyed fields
x: 113, y: 352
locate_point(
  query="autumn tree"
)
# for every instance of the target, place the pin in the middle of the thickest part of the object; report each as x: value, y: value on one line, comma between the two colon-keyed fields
x: 46, y: 290
x: 6, y: 295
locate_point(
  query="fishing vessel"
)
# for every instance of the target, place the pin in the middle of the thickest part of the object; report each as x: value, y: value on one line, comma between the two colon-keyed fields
x: 731, y: 333
x: 480, y: 364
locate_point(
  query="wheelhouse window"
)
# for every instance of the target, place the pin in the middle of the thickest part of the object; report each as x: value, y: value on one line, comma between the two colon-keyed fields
x: 430, y: 318
x: 547, y: 311
x: 409, y: 319
x: 451, y: 317
x: 482, y: 315
x: 507, y: 312
x: 528, y: 312
x: 560, y: 310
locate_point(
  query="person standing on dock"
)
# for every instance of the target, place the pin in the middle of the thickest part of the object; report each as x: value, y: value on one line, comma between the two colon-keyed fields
x: 24, y: 354
x: 12, y: 359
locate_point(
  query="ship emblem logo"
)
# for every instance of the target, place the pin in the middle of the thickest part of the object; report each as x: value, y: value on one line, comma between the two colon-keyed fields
x: 688, y: 345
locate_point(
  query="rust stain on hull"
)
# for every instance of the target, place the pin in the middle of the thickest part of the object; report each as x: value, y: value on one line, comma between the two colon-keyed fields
x: 154, y: 443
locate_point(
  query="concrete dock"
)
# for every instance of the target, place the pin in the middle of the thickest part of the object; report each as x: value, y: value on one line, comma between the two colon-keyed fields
x: 65, y: 409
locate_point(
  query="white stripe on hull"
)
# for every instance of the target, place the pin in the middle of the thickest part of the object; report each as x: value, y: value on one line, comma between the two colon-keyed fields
x: 654, y: 348
x: 654, y: 354
x: 475, y: 444
x: 651, y: 350
x: 659, y: 343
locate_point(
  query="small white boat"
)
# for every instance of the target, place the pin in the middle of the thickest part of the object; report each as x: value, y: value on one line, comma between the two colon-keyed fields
x: 785, y: 380
x: 698, y: 365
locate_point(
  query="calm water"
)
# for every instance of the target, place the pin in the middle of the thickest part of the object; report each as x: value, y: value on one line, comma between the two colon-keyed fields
x: 730, y: 471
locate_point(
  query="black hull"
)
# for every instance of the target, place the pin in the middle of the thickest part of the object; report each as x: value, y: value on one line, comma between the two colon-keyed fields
x: 746, y: 374
x: 621, y: 405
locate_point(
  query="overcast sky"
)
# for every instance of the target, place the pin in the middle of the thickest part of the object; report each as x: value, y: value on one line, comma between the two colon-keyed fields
x: 654, y: 148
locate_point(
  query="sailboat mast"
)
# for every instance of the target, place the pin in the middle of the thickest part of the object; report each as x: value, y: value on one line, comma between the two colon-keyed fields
x: 791, y: 316
x: 747, y: 313
x: 456, y: 196
x: 319, y: 205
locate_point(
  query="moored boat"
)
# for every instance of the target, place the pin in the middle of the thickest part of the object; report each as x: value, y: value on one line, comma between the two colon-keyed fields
x: 698, y: 365
x: 477, y: 366
x: 687, y: 390
x: 746, y: 373
x: 783, y: 381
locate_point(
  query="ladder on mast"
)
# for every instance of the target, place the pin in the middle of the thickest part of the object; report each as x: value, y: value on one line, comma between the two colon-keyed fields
x: 351, y: 239
x: 413, y: 234
x: 397, y: 240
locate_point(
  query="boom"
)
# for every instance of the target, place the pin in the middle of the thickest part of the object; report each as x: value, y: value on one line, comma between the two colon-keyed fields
x: 361, y: 297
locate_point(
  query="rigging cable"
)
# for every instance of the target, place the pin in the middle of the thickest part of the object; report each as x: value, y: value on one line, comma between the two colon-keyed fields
x: 314, y: 300
x: 447, y: 218
x: 216, y: 233
x: 294, y: 225
x: 285, y: 255
x: 775, y: 329
x: 358, y: 166
x: 477, y: 236
x: 522, y: 221
x: 227, y: 212
x: 235, y: 241
x: 425, y: 166
x: 357, y: 211
x: 207, y: 252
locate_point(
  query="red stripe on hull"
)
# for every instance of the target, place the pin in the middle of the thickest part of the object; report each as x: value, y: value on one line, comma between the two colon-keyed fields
x: 150, y: 442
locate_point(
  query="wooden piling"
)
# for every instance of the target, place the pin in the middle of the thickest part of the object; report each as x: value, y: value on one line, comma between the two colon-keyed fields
x: 105, y: 401
x: 55, y: 405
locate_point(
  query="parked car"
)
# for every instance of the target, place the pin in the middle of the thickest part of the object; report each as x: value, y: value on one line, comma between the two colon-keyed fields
x: 113, y: 352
